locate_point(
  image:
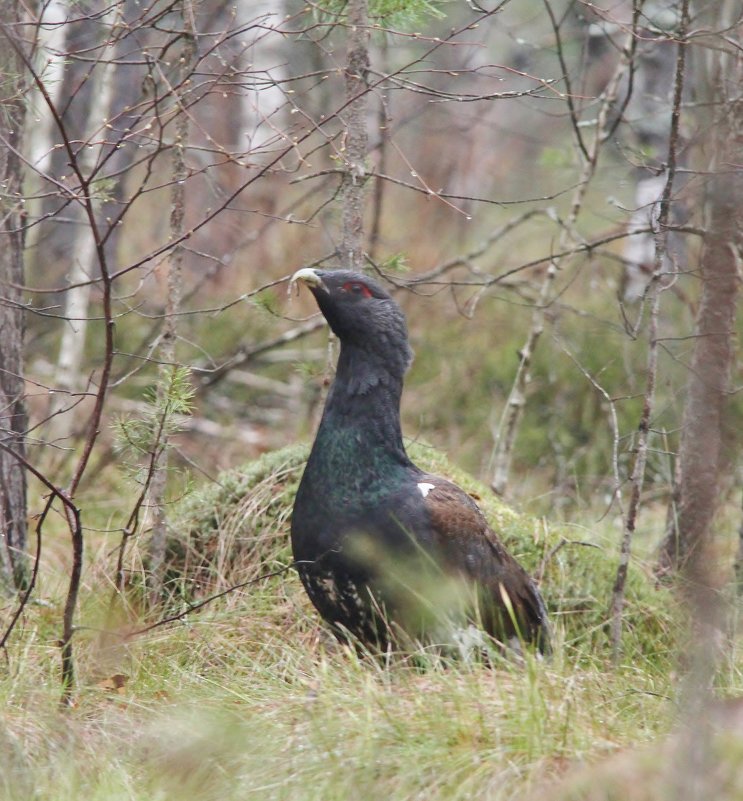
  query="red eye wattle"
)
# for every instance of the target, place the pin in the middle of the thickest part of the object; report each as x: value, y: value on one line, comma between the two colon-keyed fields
x: 357, y: 288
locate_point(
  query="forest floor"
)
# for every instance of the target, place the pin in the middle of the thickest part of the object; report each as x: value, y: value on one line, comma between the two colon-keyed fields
x: 250, y: 698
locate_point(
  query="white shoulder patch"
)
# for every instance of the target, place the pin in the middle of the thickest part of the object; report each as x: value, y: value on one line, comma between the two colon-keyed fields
x: 425, y: 488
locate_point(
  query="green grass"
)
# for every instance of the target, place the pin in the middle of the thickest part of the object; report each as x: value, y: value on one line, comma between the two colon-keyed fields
x: 251, y: 699
x: 230, y: 706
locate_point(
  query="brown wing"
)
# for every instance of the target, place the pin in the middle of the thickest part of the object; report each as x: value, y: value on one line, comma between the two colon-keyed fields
x: 470, y: 546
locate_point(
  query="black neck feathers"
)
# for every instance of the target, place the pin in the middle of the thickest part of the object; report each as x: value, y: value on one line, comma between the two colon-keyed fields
x: 363, y: 407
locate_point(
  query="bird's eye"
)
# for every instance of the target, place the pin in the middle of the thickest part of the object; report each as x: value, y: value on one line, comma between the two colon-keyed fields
x: 357, y: 288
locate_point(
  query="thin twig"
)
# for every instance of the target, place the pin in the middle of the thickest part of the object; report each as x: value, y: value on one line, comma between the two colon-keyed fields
x: 54, y: 492
x: 194, y: 607
x: 504, y: 435
x: 653, y: 295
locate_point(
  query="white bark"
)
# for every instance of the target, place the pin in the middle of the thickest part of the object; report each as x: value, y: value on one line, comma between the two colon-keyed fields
x: 263, y: 99
x: 85, y: 264
x: 639, y: 251
x: 42, y: 133
x: 647, y: 116
x: 52, y: 45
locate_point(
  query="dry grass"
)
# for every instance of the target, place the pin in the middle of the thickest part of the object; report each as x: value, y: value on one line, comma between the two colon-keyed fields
x: 250, y: 698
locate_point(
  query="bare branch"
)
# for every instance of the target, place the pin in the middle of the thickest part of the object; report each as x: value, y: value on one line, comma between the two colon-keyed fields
x: 653, y: 298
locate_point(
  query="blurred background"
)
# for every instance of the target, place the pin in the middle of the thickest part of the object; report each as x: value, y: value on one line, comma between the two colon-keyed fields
x: 516, y: 154
x: 551, y: 190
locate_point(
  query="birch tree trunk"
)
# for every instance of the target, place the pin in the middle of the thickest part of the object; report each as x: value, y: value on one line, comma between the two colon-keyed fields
x: 51, y: 37
x: 646, y: 115
x: 12, y: 398
x: 85, y: 260
x: 51, y: 42
x: 262, y: 102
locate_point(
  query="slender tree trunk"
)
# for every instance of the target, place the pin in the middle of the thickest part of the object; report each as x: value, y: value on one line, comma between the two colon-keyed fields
x: 738, y: 564
x: 51, y: 38
x: 262, y: 103
x: 702, y: 437
x: 637, y: 478
x: 51, y: 42
x: 356, y: 144
x: 167, y: 349
x: 375, y: 234
x: 12, y: 397
x: 648, y: 106
x: 353, y: 151
x: 639, y: 248
x: 690, y: 547
x: 84, y: 265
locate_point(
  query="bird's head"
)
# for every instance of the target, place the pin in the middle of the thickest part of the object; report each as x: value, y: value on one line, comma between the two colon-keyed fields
x: 361, y: 313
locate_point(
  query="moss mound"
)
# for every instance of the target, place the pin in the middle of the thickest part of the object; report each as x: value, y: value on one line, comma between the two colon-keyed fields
x: 238, y: 528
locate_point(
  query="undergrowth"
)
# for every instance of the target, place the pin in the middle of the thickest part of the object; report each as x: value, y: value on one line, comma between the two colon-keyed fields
x: 236, y: 529
x: 250, y: 698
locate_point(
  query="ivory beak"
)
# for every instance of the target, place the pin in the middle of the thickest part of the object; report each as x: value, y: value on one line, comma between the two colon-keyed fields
x: 308, y: 276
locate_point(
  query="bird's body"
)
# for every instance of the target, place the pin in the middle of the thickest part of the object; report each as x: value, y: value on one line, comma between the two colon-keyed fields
x: 387, y: 552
